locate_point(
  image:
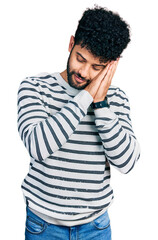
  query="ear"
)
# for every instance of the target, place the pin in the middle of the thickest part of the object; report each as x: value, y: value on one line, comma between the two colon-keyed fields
x: 71, y: 43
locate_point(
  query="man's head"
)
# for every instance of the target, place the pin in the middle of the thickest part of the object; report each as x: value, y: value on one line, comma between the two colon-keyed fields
x: 101, y: 37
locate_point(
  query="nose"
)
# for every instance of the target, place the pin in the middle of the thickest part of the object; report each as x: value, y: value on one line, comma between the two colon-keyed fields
x: 84, y: 71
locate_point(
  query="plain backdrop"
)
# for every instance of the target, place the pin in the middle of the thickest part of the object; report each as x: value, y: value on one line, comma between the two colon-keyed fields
x: 34, y: 38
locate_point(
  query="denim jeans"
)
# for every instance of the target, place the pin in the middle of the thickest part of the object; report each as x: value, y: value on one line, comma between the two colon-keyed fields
x: 38, y: 229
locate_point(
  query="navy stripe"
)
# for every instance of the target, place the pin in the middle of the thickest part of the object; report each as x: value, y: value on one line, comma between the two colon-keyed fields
x: 106, y: 130
x: 46, y: 77
x: 72, y: 112
x: 127, y: 107
x: 45, y: 139
x: 45, y: 86
x: 44, y: 94
x: 117, y: 95
x: 123, y: 114
x: 27, y: 106
x: 84, y: 142
x: 71, y: 170
x: 23, y: 135
x: 61, y: 127
x: 86, y: 133
x: 124, y: 163
x: 115, y: 92
x: 63, y: 205
x: 76, y: 105
x: 38, y: 118
x: 80, y: 152
x: 121, y: 154
x: 32, y: 111
x: 67, y: 120
x: 116, y: 104
x: 42, y: 102
x: 104, y: 118
x: 113, y: 137
x: 82, y: 190
x: 60, y: 196
x: 29, y: 144
x: 27, y: 96
x: 131, y: 167
x: 44, y: 207
x: 116, y: 146
x: 87, y: 123
x: 70, y: 179
x: 123, y: 120
x: 63, y: 213
x: 37, y: 146
x: 53, y: 134
x: 97, y: 162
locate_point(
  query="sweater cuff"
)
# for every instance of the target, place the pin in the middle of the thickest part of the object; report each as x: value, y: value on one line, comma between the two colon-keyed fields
x: 83, y: 99
x: 105, y: 113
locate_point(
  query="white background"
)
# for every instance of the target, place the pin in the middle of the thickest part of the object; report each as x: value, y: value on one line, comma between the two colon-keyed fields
x: 34, y: 38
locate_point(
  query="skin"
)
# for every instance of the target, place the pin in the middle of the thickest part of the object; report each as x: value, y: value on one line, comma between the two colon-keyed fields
x: 85, y: 71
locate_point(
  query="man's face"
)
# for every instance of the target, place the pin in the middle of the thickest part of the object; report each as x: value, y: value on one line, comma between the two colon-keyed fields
x: 82, y: 67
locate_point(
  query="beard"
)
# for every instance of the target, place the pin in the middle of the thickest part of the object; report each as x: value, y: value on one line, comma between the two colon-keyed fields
x: 72, y: 82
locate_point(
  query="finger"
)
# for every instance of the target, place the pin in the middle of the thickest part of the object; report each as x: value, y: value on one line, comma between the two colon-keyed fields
x: 108, y: 73
x: 102, y: 74
x: 111, y: 71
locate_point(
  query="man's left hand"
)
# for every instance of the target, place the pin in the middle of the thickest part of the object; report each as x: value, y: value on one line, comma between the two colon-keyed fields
x: 106, y: 82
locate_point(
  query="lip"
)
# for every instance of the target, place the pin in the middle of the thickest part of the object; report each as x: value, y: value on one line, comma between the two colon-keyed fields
x: 78, y: 79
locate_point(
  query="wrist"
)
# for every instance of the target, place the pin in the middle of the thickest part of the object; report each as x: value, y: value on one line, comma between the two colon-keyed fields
x: 100, y: 104
x: 98, y: 100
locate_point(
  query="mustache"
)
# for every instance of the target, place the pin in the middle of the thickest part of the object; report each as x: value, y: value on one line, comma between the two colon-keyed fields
x: 79, y: 75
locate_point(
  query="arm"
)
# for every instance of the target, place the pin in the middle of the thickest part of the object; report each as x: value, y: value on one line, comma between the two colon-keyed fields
x: 118, y: 139
x: 42, y: 133
x: 120, y: 145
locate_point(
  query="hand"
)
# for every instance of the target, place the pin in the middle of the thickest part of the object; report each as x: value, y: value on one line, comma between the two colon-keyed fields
x: 93, y: 86
x: 106, y: 82
x: 99, y: 86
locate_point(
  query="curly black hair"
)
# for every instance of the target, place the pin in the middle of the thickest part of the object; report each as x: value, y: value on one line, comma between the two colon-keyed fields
x: 104, y: 33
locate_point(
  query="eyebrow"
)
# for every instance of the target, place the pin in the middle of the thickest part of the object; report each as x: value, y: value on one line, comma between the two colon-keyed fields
x: 81, y: 55
x: 98, y: 65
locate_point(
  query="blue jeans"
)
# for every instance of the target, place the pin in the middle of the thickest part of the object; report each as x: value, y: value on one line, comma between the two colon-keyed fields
x: 38, y: 229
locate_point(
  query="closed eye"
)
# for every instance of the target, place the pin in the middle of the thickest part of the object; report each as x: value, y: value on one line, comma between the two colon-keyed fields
x: 80, y: 59
x: 98, y: 68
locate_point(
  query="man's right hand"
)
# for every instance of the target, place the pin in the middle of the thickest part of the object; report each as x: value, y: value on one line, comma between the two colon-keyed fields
x: 94, y: 85
x: 99, y: 86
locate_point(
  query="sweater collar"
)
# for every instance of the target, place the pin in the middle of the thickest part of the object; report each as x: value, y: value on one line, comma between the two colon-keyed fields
x: 70, y: 90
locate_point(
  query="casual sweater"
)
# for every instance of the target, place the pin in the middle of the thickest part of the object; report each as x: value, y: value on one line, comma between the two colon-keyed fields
x: 71, y: 148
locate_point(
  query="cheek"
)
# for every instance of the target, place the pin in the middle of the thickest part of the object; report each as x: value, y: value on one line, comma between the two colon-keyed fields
x: 73, y: 64
x: 73, y: 67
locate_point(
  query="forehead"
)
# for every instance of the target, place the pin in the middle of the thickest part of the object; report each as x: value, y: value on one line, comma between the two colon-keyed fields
x: 87, y: 55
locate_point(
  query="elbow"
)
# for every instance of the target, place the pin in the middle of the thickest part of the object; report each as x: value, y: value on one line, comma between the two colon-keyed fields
x: 33, y: 148
x: 126, y: 166
x: 127, y: 169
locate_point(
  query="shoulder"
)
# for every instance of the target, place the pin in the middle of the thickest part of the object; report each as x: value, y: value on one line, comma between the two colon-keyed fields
x: 41, y: 80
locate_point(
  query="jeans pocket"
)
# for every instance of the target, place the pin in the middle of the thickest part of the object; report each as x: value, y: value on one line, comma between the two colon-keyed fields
x: 102, y: 222
x: 34, y: 226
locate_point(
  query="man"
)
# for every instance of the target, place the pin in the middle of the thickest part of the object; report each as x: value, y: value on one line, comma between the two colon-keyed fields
x: 76, y: 125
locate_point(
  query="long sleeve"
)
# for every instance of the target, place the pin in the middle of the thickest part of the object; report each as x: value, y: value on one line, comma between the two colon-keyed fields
x: 115, y: 129
x: 41, y: 132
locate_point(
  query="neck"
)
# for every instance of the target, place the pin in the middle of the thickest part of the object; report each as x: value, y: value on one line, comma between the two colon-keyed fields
x: 64, y: 75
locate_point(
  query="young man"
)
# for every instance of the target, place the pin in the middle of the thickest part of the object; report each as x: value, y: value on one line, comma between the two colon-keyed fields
x: 76, y: 125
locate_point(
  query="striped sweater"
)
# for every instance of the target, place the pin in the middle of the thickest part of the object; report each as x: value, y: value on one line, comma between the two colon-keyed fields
x: 71, y: 148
